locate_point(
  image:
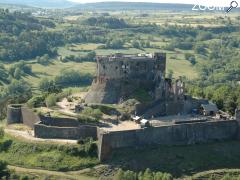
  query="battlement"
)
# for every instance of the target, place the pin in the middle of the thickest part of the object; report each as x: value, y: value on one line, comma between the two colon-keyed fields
x: 140, y: 66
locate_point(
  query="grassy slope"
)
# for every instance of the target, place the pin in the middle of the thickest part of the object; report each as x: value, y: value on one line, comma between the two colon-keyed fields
x: 46, y: 156
x: 180, y: 160
x: 40, y: 174
x: 53, y: 69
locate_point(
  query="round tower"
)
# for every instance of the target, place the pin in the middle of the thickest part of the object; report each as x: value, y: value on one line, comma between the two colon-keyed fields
x: 14, y: 113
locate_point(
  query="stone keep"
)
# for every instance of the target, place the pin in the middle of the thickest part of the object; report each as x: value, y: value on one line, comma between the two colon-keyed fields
x: 118, y: 76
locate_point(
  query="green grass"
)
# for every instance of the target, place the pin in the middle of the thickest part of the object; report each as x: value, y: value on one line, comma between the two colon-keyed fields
x: 47, y: 156
x: 53, y: 69
x: 180, y: 160
x: 181, y: 68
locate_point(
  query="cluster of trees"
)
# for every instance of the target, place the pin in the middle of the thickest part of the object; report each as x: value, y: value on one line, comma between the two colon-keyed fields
x: 115, y: 44
x: 191, y: 58
x: 23, y: 37
x: 146, y: 175
x: 19, y: 91
x: 88, y: 57
x: 15, y: 71
x: 106, y: 22
x: 72, y: 78
x: 4, y: 74
x: 19, y: 69
x: 82, y: 34
x: 141, y: 44
x: 51, y: 90
x: 225, y: 96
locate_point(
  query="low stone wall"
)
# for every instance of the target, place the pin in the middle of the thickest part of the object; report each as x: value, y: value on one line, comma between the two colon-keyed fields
x: 60, y: 122
x: 54, y: 132
x: 182, y: 134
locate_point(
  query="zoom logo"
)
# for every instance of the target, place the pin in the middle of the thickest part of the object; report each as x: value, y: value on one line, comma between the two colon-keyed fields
x: 198, y: 7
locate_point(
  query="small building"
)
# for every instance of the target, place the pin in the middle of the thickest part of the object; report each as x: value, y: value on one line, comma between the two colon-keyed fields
x: 136, y: 119
x: 144, y: 123
x: 209, y: 109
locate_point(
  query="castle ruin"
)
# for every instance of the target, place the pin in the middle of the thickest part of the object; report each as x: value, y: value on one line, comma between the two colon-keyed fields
x: 119, y: 76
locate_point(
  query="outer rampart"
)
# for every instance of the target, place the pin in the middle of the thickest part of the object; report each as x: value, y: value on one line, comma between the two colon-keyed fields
x: 182, y: 134
x: 54, y: 132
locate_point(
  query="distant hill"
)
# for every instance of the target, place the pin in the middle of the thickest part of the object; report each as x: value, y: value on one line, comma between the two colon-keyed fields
x: 41, y: 3
x: 133, y: 6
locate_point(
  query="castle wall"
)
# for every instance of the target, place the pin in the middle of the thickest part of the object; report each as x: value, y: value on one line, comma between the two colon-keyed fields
x: 182, y: 134
x: 29, y: 117
x: 54, y: 132
x: 60, y: 122
x: 21, y: 114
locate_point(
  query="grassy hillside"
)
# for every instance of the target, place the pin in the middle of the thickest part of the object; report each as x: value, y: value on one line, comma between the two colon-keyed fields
x: 47, y: 156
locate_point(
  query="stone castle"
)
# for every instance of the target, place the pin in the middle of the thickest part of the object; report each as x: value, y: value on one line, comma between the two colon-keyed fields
x: 116, y: 79
x: 119, y: 76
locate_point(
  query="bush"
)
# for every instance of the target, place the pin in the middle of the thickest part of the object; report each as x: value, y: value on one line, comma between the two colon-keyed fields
x: 48, y: 86
x: 5, y: 145
x: 86, y: 119
x: 96, y: 113
x: 1, y: 132
x: 4, y: 172
x: 147, y: 175
x: 106, y: 109
x: 51, y: 100
x: 72, y: 78
x: 36, y: 101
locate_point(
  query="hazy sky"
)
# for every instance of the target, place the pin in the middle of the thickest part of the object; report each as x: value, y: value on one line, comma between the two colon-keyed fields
x: 206, y: 2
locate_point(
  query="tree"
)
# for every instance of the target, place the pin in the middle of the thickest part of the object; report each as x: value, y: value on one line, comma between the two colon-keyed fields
x: 136, y: 44
x: 20, y: 91
x: 17, y: 73
x: 119, y: 175
x: 48, y: 86
x: 148, y: 175
x: 230, y: 104
x: 1, y: 133
x: 200, y: 49
x: 4, y: 172
x: 51, y: 100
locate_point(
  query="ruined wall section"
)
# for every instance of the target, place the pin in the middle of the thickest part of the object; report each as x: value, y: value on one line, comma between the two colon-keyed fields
x: 182, y: 134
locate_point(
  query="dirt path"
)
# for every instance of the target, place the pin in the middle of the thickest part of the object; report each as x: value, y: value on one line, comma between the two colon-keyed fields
x: 28, y: 136
x: 72, y: 175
